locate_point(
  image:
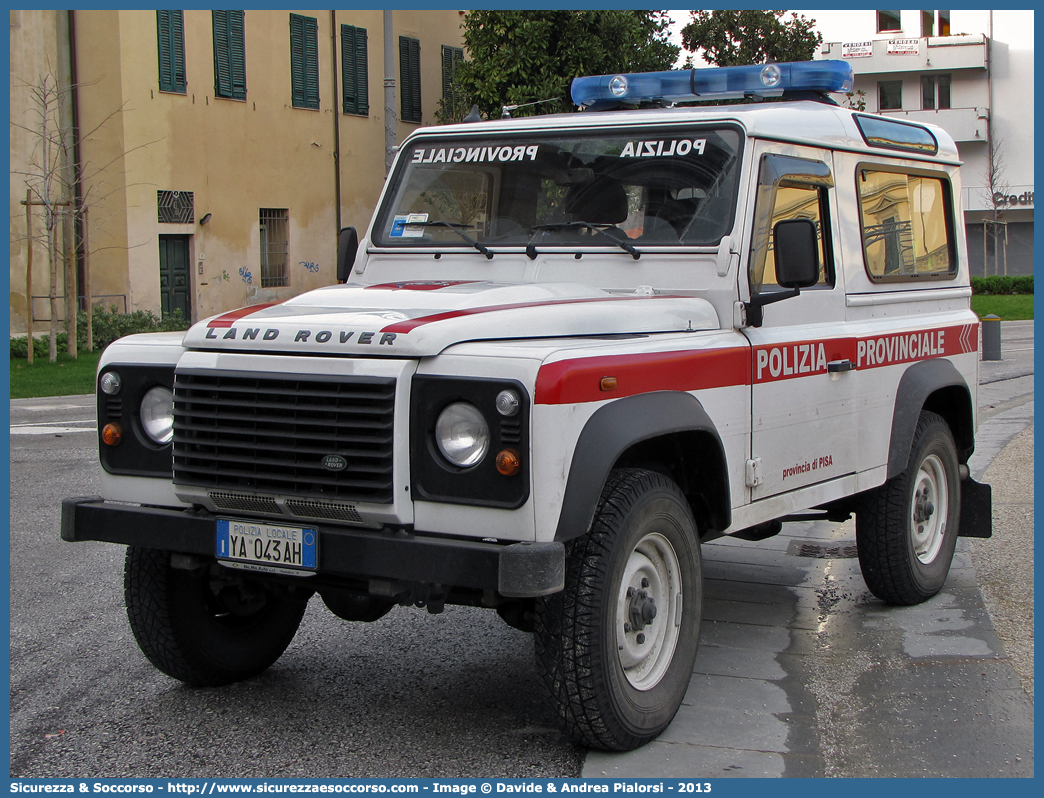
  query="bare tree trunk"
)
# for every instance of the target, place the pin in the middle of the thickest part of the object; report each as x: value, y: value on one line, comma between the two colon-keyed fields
x: 87, y: 282
x: 29, y: 273
x: 52, y: 254
x: 70, y: 283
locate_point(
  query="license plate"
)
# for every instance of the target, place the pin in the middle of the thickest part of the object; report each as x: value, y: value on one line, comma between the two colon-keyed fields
x: 259, y: 546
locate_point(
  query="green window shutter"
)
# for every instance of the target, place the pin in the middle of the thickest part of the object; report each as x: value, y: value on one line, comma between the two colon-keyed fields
x: 229, y: 55
x: 409, y: 78
x: 355, y: 91
x: 451, y: 58
x: 170, y: 27
x: 304, y: 61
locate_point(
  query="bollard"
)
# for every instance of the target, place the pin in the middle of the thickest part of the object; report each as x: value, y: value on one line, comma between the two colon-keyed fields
x: 991, y: 337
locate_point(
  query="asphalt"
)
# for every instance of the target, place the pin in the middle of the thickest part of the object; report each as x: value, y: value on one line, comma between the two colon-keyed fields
x: 802, y: 672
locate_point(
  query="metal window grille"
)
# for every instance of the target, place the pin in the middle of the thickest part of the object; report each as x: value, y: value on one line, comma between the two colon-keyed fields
x: 275, y: 246
x: 175, y: 207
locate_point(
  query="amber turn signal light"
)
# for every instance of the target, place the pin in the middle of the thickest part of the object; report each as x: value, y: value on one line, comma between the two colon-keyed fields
x: 608, y: 384
x: 508, y: 462
x: 112, y: 434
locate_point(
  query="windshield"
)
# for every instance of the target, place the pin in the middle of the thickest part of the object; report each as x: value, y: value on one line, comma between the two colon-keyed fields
x: 654, y: 187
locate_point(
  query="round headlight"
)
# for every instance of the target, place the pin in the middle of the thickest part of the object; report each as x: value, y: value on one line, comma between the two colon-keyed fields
x: 462, y: 434
x: 157, y: 414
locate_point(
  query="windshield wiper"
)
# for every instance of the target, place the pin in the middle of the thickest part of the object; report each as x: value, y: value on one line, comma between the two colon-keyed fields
x: 623, y: 244
x: 459, y: 230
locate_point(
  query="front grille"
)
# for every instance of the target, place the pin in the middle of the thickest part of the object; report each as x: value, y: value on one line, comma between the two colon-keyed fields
x: 247, y: 433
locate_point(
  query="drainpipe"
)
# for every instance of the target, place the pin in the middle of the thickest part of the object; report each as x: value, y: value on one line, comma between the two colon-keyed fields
x: 337, y: 121
x: 389, y: 92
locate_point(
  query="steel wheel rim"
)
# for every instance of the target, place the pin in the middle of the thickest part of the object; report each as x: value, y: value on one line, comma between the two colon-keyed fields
x: 929, y: 509
x: 653, y: 568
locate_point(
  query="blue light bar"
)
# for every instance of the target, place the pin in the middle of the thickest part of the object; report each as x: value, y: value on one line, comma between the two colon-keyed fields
x: 717, y: 83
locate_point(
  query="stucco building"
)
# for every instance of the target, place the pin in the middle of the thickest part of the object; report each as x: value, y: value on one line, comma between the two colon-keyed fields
x: 971, y: 73
x: 221, y: 150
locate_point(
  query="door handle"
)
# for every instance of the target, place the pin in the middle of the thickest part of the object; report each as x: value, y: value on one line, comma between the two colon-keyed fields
x: 837, y: 366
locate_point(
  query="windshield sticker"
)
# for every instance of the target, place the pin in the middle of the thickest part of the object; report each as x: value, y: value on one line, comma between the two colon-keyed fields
x: 400, y: 228
x: 474, y: 154
x: 653, y: 149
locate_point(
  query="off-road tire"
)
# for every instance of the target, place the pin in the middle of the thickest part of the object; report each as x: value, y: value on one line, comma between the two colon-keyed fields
x: 190, y: 634
x: 581, y: 646
x: 903, y: 560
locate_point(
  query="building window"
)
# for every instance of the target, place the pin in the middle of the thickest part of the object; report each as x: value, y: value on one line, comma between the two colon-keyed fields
x: 175, y: 207
x: 928, y: 23
x: 275, y: 244
x: 170, y: 26
x: 451, y: 59
x: 935, y: 92
x: 410, y: 79
x: 890, y: 95
x: 888, y: 21
x: 304, y: 61
x: 944, y: 23
x: 229, y: 55
x: 355, y: 93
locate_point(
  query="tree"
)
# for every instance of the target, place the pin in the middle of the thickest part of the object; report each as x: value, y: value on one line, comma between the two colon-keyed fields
x: 522, y: 57
x: 51, y: 176
x: 740, y: 38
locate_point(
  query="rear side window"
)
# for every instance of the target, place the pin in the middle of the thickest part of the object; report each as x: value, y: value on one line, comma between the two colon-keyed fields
x: 907, y: 225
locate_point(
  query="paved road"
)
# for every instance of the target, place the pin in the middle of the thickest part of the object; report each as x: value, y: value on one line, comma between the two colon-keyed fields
x: 800, y: 673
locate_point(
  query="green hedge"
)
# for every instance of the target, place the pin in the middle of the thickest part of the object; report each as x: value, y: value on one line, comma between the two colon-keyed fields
x: 108, y: 325
x: 1002, y: 285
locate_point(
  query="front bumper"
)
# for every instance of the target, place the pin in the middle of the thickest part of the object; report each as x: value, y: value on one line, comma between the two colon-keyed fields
x: 514, y: 570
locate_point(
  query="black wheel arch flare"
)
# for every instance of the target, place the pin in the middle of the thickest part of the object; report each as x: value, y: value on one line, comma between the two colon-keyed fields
x: 938, y: 386
x: 669, y: 426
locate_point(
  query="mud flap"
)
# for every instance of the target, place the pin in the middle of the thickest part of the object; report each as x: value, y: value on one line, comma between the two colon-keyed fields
x: 976, y: 510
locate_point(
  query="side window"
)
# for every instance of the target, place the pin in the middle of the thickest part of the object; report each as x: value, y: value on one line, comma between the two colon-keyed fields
x: 789, y: 188
x: 170, y: 29
x: 229, y: 55
x: 907, y: 225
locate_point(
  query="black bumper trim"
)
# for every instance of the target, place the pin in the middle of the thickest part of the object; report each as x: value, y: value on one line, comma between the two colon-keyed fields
x: 516, y: 570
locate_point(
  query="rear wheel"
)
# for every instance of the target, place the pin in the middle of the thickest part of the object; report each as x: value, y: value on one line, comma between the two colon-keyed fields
x: 616, y: 647
x: 906, y: 530
x: 203, y: 629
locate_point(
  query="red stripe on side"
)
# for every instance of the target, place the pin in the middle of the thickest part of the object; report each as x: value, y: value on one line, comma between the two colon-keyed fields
x: 225, y: 320
x: 412, y: 324
x: 575, y: 381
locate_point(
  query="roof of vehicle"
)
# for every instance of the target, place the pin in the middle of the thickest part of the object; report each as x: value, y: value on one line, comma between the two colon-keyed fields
x: 808, y: 122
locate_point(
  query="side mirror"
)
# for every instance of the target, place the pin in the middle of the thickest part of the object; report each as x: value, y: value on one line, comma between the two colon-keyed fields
x: 347, y: 248
x: 797, y: 253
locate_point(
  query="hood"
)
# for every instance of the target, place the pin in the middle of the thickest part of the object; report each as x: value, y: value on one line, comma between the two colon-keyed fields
x: 417, y: 319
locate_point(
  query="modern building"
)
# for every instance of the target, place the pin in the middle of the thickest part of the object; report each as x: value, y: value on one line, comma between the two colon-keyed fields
x: 971, y: 73
x: 221, y: 151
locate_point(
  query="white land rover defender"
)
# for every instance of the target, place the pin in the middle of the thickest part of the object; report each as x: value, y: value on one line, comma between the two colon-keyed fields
x: 570, y: 350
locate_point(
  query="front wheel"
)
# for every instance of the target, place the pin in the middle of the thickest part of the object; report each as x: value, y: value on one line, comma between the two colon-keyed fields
x: 201, y: 626
x: 617, y: 646
x: 906, y: 530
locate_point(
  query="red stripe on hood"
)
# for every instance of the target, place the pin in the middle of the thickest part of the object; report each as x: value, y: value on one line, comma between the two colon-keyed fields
x: 226, y: 319
x: 419, y: 285
x: 412, y: 324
